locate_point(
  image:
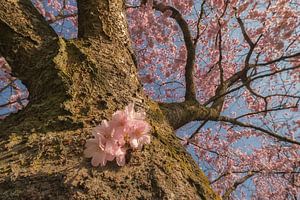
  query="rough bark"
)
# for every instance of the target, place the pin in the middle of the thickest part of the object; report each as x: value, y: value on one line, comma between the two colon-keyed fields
x: 74, y: 85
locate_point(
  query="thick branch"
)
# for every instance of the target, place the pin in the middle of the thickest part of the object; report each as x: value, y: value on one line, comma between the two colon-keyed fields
x: 104, y: 19
x: 179, y: 114
x: 23, y: 33
x: 91, y: 15
x: 190, y: 93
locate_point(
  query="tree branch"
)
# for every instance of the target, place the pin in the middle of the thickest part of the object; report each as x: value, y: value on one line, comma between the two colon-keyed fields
x: 190, y: 93
x: 21, y: 40
x: 279, y: 59
x: 269, y: 133
x: 236, y: 184
x: 245, y: 35
x: 178, y: 114
x: 25, y: 42
x: 198, y: 22
x: 234, y: 78
x: 11, y: 81
x: 61, y: 17
x: 266, y: 111
x: 104, y: 20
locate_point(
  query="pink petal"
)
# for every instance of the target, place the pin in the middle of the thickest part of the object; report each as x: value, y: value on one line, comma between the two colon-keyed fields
x: 111, y: 147
x: 91, y: 148
x: 119, y: 118
x: 101, y: 142
x: 139, y: 115
x: 96, y: 131
x: 91, y: 142
x: 89, y: 152
x: 99, y: 158
x: 109, y: 157
x: 121, y: 151
x: 145, y: 139
x: 119, y: 133
x: 130, y: 108
x: 121, y: 160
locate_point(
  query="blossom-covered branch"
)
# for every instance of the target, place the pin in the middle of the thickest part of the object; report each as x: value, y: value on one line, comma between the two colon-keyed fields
x: 265, y: 131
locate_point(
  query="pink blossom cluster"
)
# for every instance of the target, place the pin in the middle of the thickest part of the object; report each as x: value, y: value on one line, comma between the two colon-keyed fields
x: 127, y: 129
x: 234, y: 155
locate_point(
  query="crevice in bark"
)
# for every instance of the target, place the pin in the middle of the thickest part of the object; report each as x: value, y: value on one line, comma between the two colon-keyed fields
x: 30, y: 187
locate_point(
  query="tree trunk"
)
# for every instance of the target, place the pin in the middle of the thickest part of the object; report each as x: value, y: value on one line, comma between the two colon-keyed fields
x: 74, y: 85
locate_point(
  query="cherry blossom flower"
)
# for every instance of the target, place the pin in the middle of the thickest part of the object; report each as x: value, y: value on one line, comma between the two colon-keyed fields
x: 98, y: 155
x: 138, y: 134
x: 127, y: 129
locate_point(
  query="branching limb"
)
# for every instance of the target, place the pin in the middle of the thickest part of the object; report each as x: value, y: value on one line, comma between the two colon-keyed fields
x: 8, y: 85
x: 200, y: 147
x: 282, y: 58
x: 19, y: 101
x: 199, y: 128
x: 264, y: 131
x: 179, y: 114
x: 267, y: 111
x: 220, y: 54
x: 190, y: 93
x: 61, y: 17
x: 28, y: 33
x: 23, y: 39
x: 236, y: 77
x: 236, y: 184
x: 198, y: 22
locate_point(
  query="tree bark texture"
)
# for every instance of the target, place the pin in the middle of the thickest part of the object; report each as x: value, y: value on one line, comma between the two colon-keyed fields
x: 74, y: 85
